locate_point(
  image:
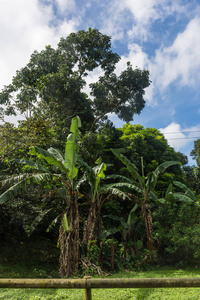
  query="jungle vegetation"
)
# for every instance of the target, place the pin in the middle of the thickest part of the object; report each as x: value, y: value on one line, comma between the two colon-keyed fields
x: 109, y: 198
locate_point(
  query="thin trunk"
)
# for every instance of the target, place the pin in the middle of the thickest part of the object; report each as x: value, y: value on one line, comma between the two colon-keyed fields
x: 112, y: 252
x: 89, y: 232
x: 147, y: 217
x: 125, y: 247
x: 69, y: 242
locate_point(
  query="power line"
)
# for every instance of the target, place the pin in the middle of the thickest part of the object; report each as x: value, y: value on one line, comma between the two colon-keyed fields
x: 185, y: 138
x: 172, y: 132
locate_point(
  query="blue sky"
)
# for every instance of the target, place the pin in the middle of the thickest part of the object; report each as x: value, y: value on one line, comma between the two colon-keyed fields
x: 159, y: 35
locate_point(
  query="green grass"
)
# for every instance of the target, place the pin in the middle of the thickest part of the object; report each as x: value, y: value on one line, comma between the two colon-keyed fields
x: 27, y: 262
x: 114, y: 294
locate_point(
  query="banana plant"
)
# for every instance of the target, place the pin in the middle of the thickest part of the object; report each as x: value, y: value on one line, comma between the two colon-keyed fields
x: 98, y: 193
x: 186, y: 195
x: 64, y: 172
x: 125, y: 227
x: 144, y: 188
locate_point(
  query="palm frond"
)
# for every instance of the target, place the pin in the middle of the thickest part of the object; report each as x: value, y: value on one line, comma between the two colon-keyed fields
x: 181, y: 197
x: 187, y: 191
x: 57, y: 154
x: 132, y: 217
x: 11, y: 180
x: 124, y: 185
x: 20, y: 186
x: 116, y: 192
x: 130, y: 166
x: 30, y: 229
x: 107, y: 232
x: 53, y: 223
x: 153, y: 196
x: 119, y: 177
x: 49, y: 157
x: 89, y: 172
x: 12, y: 191
x: 161, y: 169
x: 32, y: 164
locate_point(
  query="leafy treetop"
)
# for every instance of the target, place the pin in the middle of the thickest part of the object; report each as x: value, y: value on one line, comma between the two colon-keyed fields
x: 51, y: 84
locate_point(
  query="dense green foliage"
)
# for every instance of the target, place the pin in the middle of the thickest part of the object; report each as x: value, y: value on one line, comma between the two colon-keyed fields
x: 52, y: 84
x: 118, y: 198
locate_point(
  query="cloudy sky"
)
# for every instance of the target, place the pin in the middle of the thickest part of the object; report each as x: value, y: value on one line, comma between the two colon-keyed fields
x: 159, y: 35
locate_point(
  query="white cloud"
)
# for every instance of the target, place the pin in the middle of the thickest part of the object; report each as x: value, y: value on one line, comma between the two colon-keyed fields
x: 114, y: 20
x: 177, y: 64
x: 179, y: 138
x: 174, y: 135
x: 181, y: 61
x: 26, y: 26
x: 66, y: 5
x: 140, y: 15
x: 145, y: 13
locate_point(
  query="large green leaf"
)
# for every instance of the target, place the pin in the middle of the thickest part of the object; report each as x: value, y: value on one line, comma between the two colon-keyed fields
x: 36, y: 222
x: 12, y: 192
x: 75, y: 124
x: 130, y: 166
x: 52, y: 224
x: 161, y: 201
x: 65, y: 223
x: 32, y: 164
x: 187, y: 191
x: 182, y: 197
x: 11, y: 180
x: 99, y: 173
x: 132, y: 217
x: 57, y: 154
x: 152, y: 196
x: 139, y: 244
x: 70, y: 149
x: 89, y: 174
x: 21, y: 184
x: 160, y: 169
x: 114, y: 191
x: 106, y: 232
x: 51, y: 158
x: 169, y: 189
x: 119, y: 177
x: 126, y: 186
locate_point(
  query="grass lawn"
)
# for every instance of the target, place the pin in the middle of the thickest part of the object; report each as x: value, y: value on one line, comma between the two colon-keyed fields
x: 115, y: 294
x: 25, y: 263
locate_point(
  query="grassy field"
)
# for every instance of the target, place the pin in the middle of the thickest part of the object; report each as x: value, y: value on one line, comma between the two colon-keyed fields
x: 117, y: 294
x: 28, y: 263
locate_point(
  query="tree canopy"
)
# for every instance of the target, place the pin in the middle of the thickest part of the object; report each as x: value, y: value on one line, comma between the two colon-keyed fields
x: 52, y: 84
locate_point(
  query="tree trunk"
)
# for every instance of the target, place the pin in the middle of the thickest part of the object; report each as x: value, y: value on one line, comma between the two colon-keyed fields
x: 69, y: 242
x: 112, y: 252
x: 89, y: 232
x: 147, y: 217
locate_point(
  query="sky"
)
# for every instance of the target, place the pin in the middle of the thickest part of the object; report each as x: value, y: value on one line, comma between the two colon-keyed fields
x: 159, y: 35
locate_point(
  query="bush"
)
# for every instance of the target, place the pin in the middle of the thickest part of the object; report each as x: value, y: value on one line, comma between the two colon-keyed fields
x: 177, y: 233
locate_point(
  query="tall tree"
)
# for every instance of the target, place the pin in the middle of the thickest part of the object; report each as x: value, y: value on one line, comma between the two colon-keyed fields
x: 150, y: 144
x: 52, y: 84
x: 15, y: 141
